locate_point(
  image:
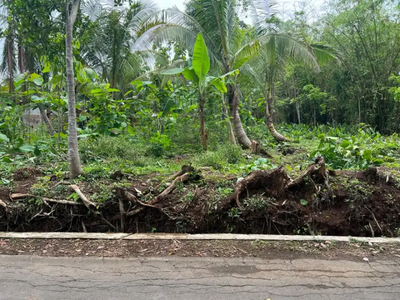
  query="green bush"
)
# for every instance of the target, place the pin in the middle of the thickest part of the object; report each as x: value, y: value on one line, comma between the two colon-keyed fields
x: 106, y: 147
x: 225, y: 155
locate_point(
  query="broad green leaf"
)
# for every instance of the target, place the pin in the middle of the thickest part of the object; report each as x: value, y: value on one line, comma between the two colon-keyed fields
x: 190, y: 74
x: 27, y: 148
x: 4, y: 138
x: 303, y: 202
x: 47, y: 65
x: 174, y: 71
x: 240, y: 62
x: 345, y: 143
x: 37, y: 99
x: 112, y: 90
x: 367, y: 154
x: 91, y: 74
x: 37, y: 151
x: 96, y: 91
x: 219, y: 84
x: 131, y: 130
x: 36, y: 78
x: 201, y: 60
x: 7, y: 159
x: 18, y: 80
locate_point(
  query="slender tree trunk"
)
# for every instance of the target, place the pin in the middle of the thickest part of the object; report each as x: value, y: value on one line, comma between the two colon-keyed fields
x: 46, y: 120
x: 241, y: 135
x: 21, y: 59
x: 298, y: 111
x: 225, y: 112
x: 270, y: 123
x: 243, y: 140
x: 203, y: 133
x: 73, y: 152
x: 10, y: 60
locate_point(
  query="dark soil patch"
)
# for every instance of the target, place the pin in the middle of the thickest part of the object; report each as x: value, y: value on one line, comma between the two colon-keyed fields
x: 26, y: 174
x: 162, y: 248
x: 358, y: 204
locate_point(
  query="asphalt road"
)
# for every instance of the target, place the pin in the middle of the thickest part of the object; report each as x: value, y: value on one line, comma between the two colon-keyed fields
x: 42, y: 278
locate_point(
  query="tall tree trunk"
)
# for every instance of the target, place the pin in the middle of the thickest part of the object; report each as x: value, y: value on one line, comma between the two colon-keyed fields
x: 298, y: 111
x: 46, y: 120
x: 21, y: 59
x: 22, y: 69
x: 225, y: 112
x: 73, y: 152
x: 270, y: 122
x: 203, y: 133
x: 10, y: 60
x: 241, y: 135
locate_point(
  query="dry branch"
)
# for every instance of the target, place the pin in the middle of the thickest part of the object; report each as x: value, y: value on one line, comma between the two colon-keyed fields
x: 23, y: 196
x: 128, y: 196
x: 89, y: 204
x: 64, y: 202
x: 168, y: 190
x: 20, y: 196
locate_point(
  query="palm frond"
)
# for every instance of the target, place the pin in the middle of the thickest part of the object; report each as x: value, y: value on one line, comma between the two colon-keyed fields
x: 260, y: 11
x: 325, y: 54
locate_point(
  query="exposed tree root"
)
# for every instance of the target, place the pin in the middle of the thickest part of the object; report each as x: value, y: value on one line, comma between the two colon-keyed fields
x: 277, y: 182
x: 63, y: 202
x: 181, y: 176
x: 269, y: 203
x: 3, y: 204
x: 89, y: 204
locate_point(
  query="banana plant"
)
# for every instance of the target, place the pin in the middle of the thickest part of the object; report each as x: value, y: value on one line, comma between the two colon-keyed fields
x: 198, y: 73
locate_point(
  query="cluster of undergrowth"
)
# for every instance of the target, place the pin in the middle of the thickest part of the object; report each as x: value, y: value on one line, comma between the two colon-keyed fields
x: 36, y: 167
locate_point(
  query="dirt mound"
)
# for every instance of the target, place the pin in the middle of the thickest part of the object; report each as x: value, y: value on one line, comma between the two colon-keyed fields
x: 358, y: 203
x: 26, y: 174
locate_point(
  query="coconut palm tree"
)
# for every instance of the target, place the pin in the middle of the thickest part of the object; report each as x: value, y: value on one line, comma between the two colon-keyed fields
x: 229, y: 47
x: 8, y: 64
x: 109, y: 47
x: 276, y: 52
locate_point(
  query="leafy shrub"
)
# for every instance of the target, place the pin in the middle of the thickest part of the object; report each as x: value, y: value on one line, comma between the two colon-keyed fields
x: 159, y: 143
x: 211, y: 159
x: 356, y: 151
x: 105, y: 147
x: 225, y: 155
x: 232, y: 154
x: 260, y: 164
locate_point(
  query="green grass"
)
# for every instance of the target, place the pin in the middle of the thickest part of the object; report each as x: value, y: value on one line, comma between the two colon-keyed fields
x: 343, y: 148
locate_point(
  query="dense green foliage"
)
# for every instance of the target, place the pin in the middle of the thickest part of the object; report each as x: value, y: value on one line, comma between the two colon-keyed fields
x: 142, y: 81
